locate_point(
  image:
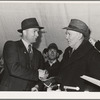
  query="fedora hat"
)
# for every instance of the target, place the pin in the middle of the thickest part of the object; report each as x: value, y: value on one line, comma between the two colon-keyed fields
x: 29, y: 23
x: 54, y: 46
x: 79, y: 26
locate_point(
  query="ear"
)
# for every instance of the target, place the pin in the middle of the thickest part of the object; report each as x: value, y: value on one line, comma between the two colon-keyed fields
x: 24, y: 32
x: 57, y: 54
x: 80, y: 35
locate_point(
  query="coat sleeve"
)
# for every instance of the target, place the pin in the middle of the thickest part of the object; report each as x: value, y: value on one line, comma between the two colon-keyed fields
x: 94, y: 64
x: 97, y: 45
x: 41, y: 62
x: 13, y: 65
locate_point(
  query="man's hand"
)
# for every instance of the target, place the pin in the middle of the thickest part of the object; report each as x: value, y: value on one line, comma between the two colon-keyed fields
x: 92, y: 41
x: 35, y: 88
x: 43, y: 74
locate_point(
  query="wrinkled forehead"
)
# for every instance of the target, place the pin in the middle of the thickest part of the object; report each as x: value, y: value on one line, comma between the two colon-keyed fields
x: 32, y: 29
x: 72, y: 32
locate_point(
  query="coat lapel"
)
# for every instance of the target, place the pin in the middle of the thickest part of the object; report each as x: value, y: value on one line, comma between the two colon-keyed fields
x: 80, y: 52
x: 21, y: 44
x: 23, y: 49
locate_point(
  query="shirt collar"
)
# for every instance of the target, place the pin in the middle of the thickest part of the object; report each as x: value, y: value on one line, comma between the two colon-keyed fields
x: 25, y: 43
x: 52, y: 62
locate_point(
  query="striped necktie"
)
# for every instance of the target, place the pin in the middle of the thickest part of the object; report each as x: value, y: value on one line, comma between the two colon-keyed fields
x: 30, y: 51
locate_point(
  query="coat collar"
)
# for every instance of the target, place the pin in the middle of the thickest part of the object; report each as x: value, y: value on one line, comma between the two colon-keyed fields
x: 22, y: 46
x: 80, y: 51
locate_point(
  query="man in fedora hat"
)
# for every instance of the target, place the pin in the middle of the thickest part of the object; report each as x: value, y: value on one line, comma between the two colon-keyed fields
x: 80, y: 58
x: 22, y: 62
x: 52, y: 65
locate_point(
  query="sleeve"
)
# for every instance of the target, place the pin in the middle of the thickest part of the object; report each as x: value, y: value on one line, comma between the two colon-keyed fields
x: 58, y: 78
x: 97, y: 45
x: 94, y: 64
x: 65, y: 57
x: 13, y: 65
x: 41, y: 62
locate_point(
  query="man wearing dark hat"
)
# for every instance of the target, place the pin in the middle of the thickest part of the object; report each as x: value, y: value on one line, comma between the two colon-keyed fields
x: 80, y: 58
x: 52, y: 65
x: 22, y: 62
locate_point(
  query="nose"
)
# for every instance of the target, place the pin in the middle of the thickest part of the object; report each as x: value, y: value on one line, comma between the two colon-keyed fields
x: 67, y: 36
x: 52, y: 51
x: 37, y: 34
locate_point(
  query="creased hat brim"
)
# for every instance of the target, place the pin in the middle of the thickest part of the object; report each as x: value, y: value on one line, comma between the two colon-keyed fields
x: 59, y: 51
x: 75, y: 29
x: 21, y: 30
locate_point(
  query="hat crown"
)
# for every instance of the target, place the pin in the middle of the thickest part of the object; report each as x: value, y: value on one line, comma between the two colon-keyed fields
x: 75, y: 23
x: 53, y: 45
x: 79, y: 26
x: 29, y: 23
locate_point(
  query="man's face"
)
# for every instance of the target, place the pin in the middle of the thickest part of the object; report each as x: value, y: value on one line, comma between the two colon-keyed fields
x: 31, y: 34
x: 73, y: 37
x: 52, y: 54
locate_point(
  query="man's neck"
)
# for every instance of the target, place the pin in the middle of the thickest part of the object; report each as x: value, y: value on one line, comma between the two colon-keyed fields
x: 52, y: 61
x: 26, y: 44
x: 78, y: 43
x: 26, y: 40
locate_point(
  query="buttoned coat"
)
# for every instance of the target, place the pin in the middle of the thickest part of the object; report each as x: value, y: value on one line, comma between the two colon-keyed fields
x: 83, y: 61
x: 18, y: 74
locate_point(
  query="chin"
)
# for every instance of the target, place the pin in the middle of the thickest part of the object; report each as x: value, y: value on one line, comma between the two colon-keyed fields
x: 33, y: 41
x: 71, y: 46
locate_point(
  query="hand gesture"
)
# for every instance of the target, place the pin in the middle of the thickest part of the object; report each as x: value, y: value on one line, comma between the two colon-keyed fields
x: 92, y: 41
x: 43, y: 74
x: 35, y: 88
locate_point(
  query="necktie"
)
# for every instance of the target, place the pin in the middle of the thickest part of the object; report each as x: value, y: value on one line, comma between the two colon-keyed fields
x: 29, y: 48
x: 30, y: 51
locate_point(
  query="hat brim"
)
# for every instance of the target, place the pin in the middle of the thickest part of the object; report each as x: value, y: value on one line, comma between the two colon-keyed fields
x: 59, y: 51
x: 21, y: 30
x: 74, y: 29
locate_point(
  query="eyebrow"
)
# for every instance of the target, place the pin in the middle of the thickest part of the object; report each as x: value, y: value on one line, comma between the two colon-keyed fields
x: 36, y: 30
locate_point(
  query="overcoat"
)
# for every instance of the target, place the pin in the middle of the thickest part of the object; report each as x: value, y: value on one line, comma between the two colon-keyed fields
x: 83, y: 61
x: 54, y: 69
x: 18, y: 74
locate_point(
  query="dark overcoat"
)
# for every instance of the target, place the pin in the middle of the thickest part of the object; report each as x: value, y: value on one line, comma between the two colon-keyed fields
x: 83, y: 61
x: 18, y: 74
x: 54, y: 69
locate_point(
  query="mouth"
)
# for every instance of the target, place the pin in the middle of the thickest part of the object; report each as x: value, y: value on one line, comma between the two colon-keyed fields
x: 68, y: 41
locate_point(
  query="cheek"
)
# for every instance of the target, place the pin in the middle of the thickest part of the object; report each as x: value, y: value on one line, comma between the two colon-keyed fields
x: 75, y: 39
x: 73, y: 36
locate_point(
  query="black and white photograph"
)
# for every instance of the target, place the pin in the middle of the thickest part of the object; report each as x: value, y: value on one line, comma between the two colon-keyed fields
x: 50, y: 48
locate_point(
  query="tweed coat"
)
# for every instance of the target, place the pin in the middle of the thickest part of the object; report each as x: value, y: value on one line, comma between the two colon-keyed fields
x: 83, y: 61
x: 18, y: 74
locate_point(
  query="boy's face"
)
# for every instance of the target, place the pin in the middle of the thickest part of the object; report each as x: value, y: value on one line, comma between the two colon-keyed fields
x: 52, y: 54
